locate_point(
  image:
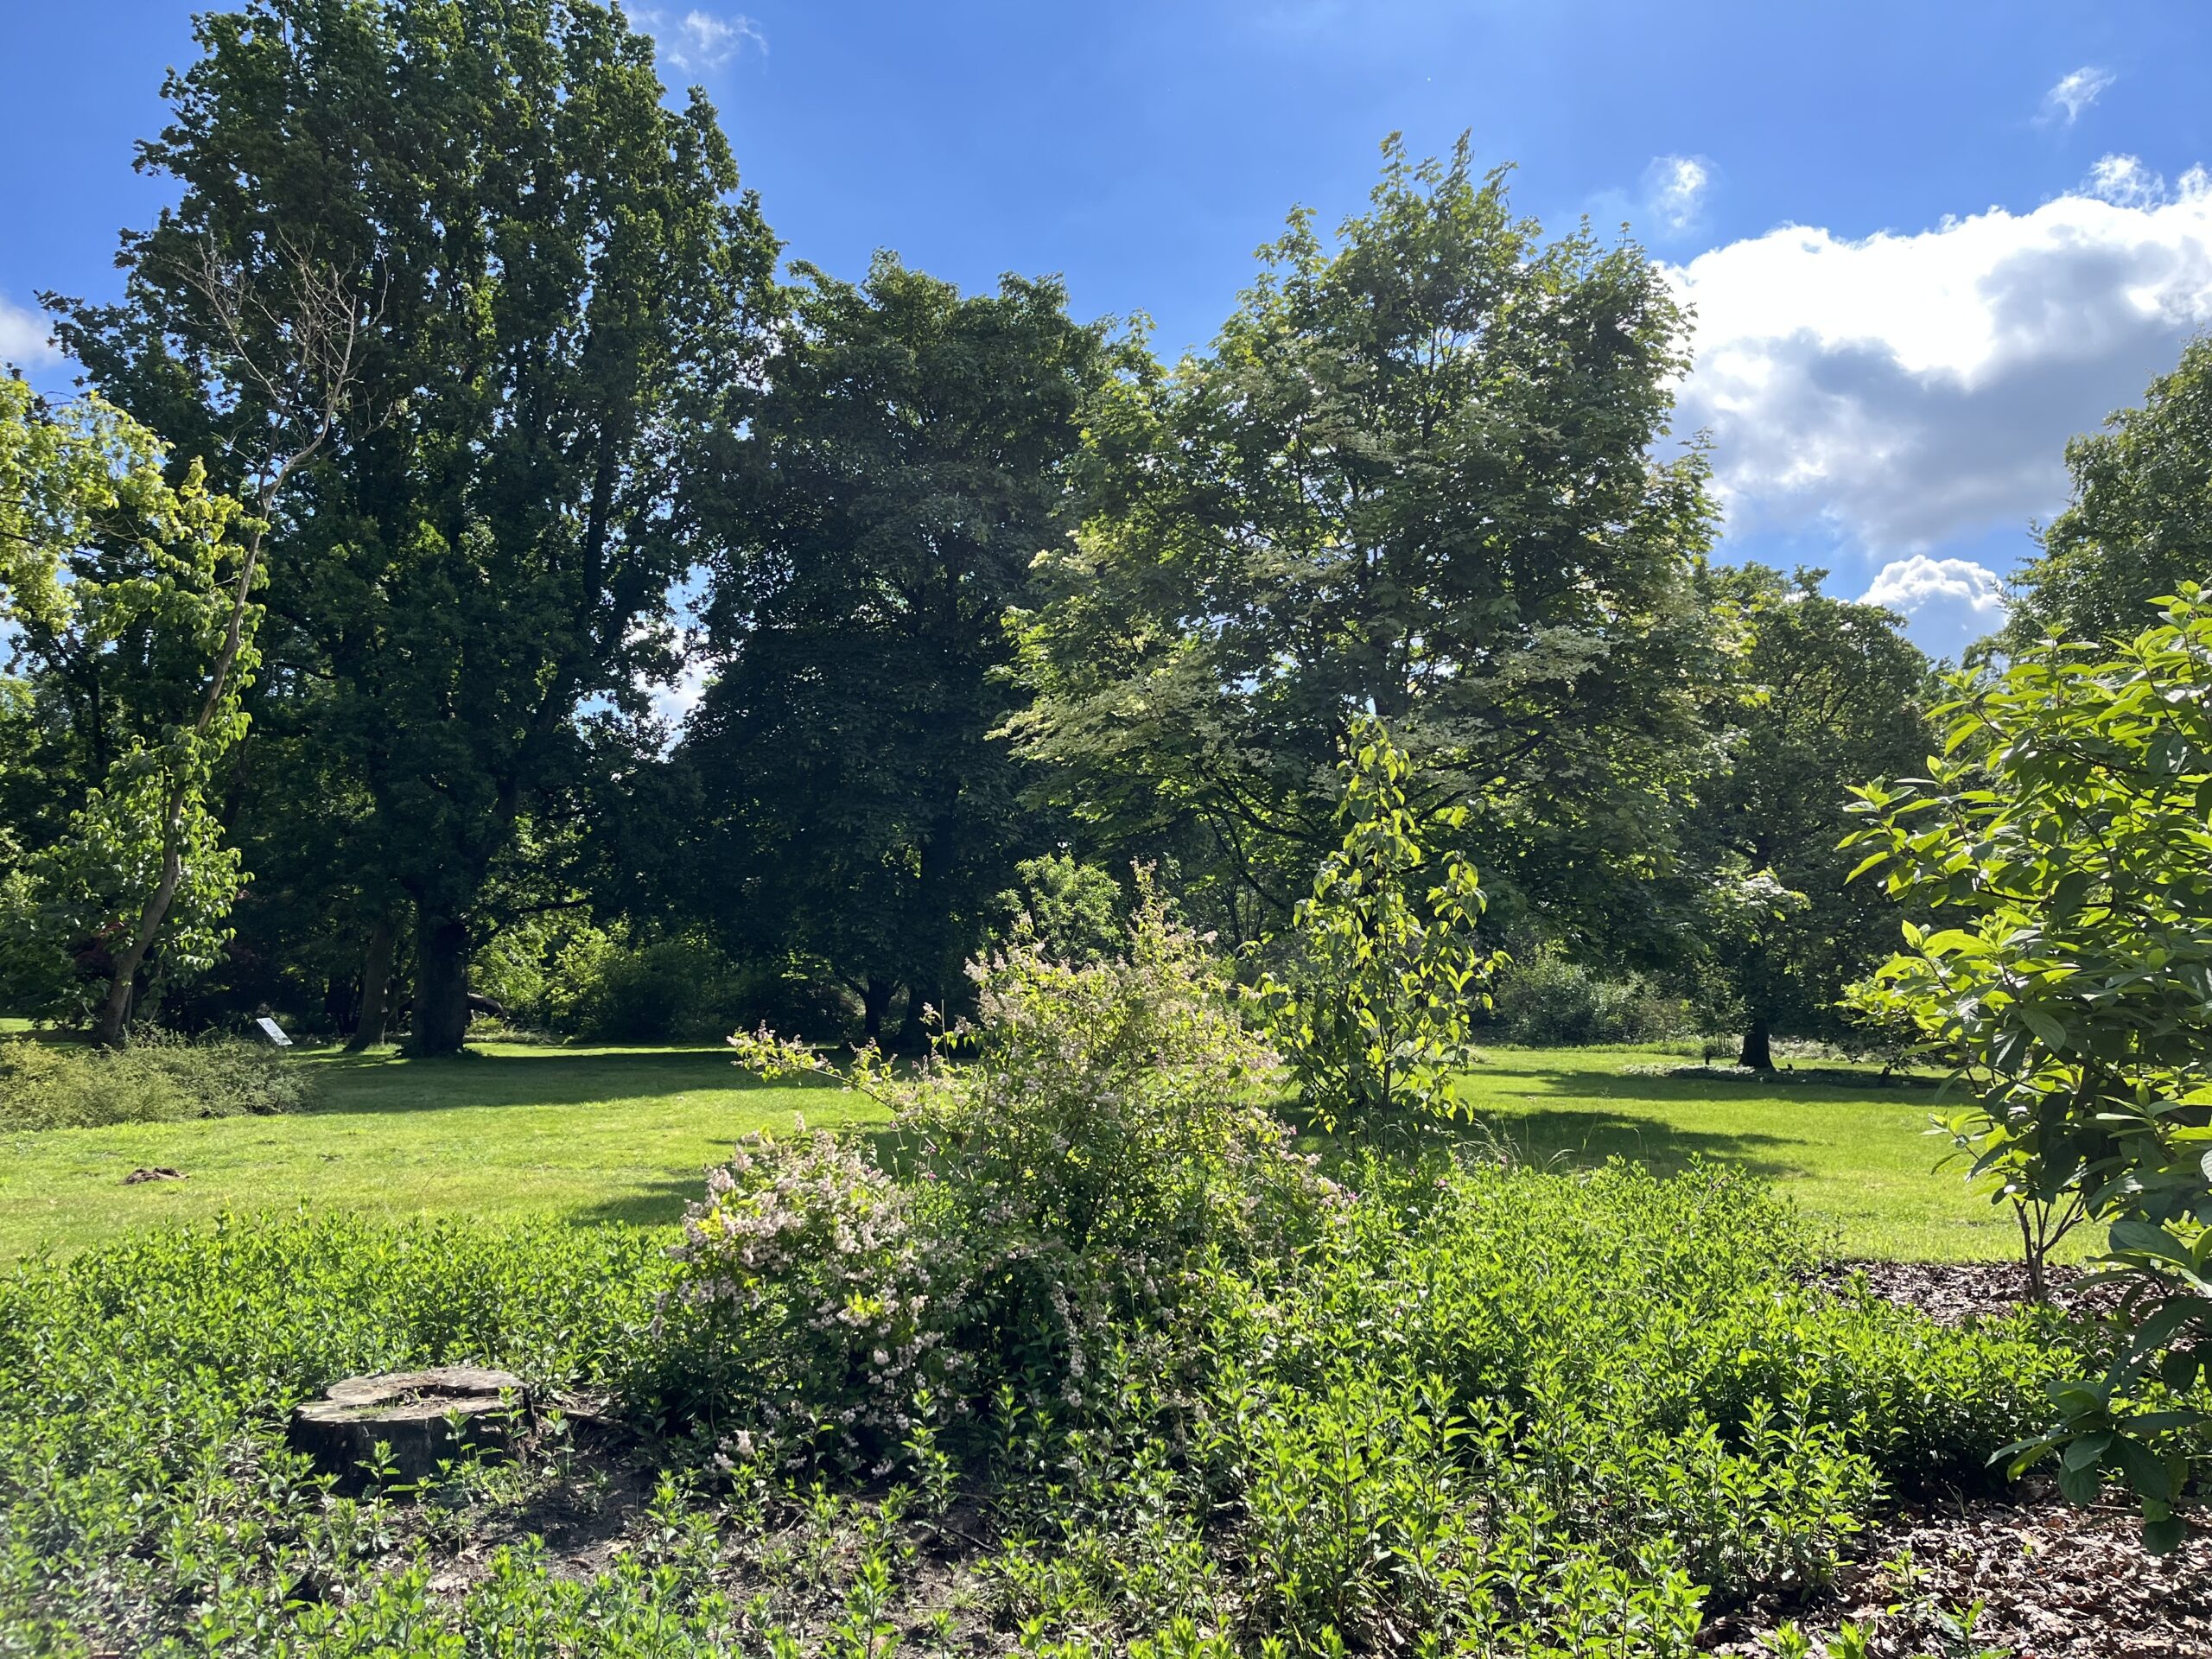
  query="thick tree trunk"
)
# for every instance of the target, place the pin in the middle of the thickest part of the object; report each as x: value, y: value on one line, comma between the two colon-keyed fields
x: 441, y: 987
x: 1758, y: 1054
x: 875, y: 1002
x: 376, y: 988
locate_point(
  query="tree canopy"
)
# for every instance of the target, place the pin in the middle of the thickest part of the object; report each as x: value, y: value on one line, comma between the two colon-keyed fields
x: 563, y: 291
x: 1414, y: 478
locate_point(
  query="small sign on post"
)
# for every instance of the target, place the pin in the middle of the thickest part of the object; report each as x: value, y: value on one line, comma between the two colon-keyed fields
x: 273, y: 1031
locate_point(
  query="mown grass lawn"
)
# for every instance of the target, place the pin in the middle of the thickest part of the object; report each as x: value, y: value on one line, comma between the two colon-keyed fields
x: 623, y: 1133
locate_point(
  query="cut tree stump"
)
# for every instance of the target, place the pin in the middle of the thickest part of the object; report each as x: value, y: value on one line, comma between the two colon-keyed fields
x: 422, y: 1417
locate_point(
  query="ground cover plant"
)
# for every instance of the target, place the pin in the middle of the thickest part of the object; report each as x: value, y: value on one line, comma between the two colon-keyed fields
x: 1089, y: 1359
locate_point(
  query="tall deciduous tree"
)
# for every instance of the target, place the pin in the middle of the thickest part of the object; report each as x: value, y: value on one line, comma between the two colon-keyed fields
x: 131, y: 602
x: 565, y: 284
x: 1832, y: 696
x: 1412, y: 478
x: 900, y: 476
x: 2140, y: 524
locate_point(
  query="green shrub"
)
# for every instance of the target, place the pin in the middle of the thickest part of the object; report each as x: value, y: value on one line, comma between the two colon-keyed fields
x: 606, y: 987
x: 1100, y: 1147
x: 1547, y: 1001
x: 159, y: 1079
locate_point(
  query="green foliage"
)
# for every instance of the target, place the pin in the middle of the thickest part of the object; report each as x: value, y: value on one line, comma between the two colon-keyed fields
x: 1830, y: 694
x: 1546, y: 998
x: 146, y: 1488
x: 2064, y: 835
x: 1100, y: 1141
x: 903, y: 466
x: 1413, y: 476
x: 2140, y: 524
x: 1075, y: 911
x: 1527, y: 1412
x: 158, y: 1078
x: 120, y: 590
x: 1375, y: 1008
x: 559, y: 291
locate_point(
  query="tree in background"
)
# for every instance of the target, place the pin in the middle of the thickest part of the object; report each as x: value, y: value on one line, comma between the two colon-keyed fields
x: 2140, y: 524
x: 903, y: 469
x: 1832, y: 695
x: 567, y: 293
x: 129, y: 599
x: 1412, y: 478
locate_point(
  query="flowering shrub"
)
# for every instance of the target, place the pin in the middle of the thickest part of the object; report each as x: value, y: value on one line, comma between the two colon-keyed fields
x: 1100, y: 1144
x: 804, y: 1305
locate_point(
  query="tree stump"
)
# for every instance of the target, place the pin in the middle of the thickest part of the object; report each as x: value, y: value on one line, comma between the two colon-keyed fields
x: 422, y: 1417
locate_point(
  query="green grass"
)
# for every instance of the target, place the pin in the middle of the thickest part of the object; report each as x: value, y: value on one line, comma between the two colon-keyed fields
x: 623, y: 1134
x: 585, y: 1133
x: 1858, y: 1162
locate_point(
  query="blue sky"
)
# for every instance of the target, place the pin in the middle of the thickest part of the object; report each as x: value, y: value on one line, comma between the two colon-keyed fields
x: 1926, y: 242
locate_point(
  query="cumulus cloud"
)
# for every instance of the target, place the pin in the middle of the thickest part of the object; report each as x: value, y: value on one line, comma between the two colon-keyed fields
x: 1902, y: 390
x: 24, y: 336
x: 1955, y: 599
x: 2074, y: 93
x: 1675, y: 188
x: 702, y: 40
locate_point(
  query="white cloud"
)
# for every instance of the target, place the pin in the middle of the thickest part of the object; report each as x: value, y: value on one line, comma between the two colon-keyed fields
x: 2124, y: 181
x: 1949, y: 602
x: 24, y: 336
x: 2074, y: 93
x: 1911, y: 585
x: 1675, y: 188
x: 1903, y: 390
x: 702, y: 40
x: 673, y: 703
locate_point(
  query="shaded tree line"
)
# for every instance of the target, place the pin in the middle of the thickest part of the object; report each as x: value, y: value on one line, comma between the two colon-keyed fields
x: 984, y: 600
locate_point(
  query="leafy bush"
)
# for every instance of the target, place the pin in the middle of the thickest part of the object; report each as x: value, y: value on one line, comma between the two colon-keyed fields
x: 1075, y: 911
x: 159, y: 1079
x: 1545, y: 1000
x: 1374, y: 1007
x: 608, y: 988
x: 1099, y: 1147
x: 2064, y: 832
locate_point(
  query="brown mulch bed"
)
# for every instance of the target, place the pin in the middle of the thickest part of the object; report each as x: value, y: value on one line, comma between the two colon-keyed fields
x: 1952, y: 1292
x: 2054, y: 1582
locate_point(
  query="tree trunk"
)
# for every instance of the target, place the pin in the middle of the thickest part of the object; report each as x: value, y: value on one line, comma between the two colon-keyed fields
x: 1758, y: 1054
x: 875, y: 1002
x: 914, y: 1033
x: 441, y: 987
x: 376, y: 989
x: 112, y: 1029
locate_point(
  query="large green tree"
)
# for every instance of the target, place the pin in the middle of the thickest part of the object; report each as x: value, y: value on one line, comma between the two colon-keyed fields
x: 1414, y: 478
x: 560, y: 286
x: 2140, y: 524
x: 1832, y: 695
x: 129, y: 601
x: 901, y: 473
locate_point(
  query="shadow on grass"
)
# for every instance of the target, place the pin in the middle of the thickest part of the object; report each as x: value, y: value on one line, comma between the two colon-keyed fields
x: 1595, y: 1084
x: 351, y: 1084
x: 1569, y: 1137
